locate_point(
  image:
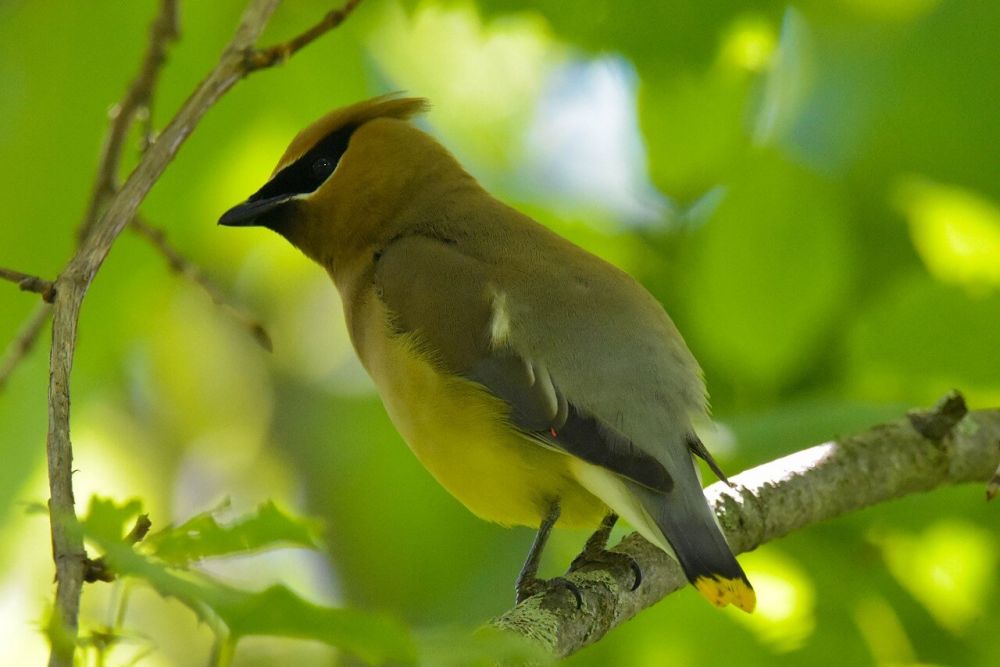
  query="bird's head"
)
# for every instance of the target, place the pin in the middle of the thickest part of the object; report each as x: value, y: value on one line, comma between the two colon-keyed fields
x: 345, y: 181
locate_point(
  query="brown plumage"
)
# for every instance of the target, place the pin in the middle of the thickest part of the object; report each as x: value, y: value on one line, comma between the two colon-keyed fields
x: 534, y: 380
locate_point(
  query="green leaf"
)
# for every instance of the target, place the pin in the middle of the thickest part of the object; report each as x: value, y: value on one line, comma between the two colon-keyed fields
x: 203, y: 536
x: 769, y: 273
x: 766, y: 433
x: 950, y: 567
x: 105, y: 522
x: 694, y: 126
x: 646, y: 32
x: 275, y: 611
x: 920, y: 338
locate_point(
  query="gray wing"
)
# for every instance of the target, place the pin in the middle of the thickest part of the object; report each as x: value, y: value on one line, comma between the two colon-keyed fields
x: 446, y: 299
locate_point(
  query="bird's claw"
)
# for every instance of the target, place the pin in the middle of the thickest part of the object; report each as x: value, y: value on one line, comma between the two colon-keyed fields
x: 532, y: 587
x: 606, y: 557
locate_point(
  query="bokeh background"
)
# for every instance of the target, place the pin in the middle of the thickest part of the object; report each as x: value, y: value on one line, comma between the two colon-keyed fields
x: 811, y: 189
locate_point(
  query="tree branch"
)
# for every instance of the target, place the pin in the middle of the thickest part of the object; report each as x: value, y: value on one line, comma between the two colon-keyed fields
x: 97, y: 569
x: 73, y: 282
x: 136, y: 103
x: 137, y: 100
x: 180, y: 264
x: 765, y: 503
x: 24, y: 341
x: 29, y: 283
x: 994, y: 485
x: 279, y: 53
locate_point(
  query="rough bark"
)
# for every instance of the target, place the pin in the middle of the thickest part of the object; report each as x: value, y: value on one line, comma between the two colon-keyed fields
x: 238, y: 59
x: 922, y: 452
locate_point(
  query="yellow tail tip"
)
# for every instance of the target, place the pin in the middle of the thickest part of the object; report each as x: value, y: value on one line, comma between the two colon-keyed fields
x: 721, y: 591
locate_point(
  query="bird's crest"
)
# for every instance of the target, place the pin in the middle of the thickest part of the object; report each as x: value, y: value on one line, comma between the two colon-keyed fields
x: 354, y: 116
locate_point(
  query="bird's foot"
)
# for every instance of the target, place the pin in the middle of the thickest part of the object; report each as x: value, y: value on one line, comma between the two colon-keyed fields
x: 601, y: 556
x: 527, y: 588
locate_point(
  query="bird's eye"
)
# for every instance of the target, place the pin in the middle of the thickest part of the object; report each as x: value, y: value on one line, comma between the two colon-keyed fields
x: 322, y: 168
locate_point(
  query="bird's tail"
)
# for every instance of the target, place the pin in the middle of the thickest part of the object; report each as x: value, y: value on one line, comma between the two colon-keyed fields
x: 681, y: 523
x: 689, y: 525
x: 703, y: 552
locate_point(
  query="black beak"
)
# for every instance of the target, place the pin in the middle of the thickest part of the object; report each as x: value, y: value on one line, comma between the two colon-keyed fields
x: 249, y: 212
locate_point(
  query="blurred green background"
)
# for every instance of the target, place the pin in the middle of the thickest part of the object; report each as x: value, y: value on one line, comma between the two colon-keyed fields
x: 811, y: 189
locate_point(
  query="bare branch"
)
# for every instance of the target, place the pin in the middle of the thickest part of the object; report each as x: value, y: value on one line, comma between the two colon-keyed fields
x: 24, y: 341
x: 770, y: 501
x: 100, y: 230
x: 279, y: 53
x: 96, y: 569
x: 71, y: 287
x: 136, y: 102
x: 30, y: 283
x: 938, y: 422
x: 180, y: 264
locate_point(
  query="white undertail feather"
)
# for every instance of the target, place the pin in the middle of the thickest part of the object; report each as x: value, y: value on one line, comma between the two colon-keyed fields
x: 610, y: 488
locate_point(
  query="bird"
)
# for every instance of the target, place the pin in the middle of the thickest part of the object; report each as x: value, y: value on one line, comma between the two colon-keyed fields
x: 536, y: 382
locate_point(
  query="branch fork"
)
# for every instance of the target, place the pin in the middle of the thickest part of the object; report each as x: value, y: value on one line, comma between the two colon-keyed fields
x: 110, y: 210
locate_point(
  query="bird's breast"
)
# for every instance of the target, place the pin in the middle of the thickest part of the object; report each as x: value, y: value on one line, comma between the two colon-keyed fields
x: 460, y: 433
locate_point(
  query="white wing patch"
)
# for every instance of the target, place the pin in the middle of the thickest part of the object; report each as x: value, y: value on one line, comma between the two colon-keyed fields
x: 500, y: 320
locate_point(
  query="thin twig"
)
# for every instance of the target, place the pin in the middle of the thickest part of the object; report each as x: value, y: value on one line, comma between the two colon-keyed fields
x: 136, y: 104
x: 181, y: 265
x: 993, y: 486
x: 770, y: 501
x: 30, y: 283
x: 24, y: 341
x: 939, y: 421
x: 279, y: 53
x: 71, y: 287
x: 67, y: 546
x: 96, y: 569
x: 137, y: 101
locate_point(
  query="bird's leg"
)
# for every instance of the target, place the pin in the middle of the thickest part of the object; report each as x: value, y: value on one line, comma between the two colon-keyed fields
x: 528, y: 583
x: 598, y: 542
x: 596, y: 551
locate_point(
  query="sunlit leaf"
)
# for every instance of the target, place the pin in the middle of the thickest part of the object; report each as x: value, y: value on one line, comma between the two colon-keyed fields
x: 495, y: 71
x: 210, y: 380
x: 202, y: 536
x: 275, y: 611
x: 105, y: 520
x: 950, y: 568
x: 921, y: 338
x: 646, y: 32
x: 785, y: 617
x: 174, y: 402
x: 879, y: 624
x: 748, y: 44
x: 697, y: 124
x: 770, y: 272
x: 956, y: 232
x: 694, y: 126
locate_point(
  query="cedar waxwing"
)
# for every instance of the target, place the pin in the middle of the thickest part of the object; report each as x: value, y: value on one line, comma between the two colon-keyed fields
x: 535, y: 381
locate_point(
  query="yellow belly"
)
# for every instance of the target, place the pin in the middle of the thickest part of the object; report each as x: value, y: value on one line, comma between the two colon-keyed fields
x: 458, y: 431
